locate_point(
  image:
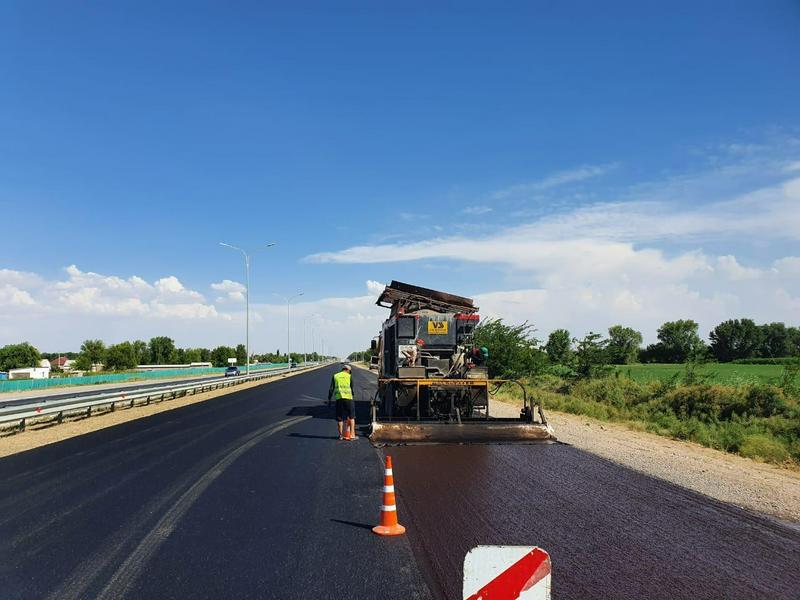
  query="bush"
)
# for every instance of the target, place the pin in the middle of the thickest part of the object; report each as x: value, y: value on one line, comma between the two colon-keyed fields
x: 763, y: 447
x: 756, y: 420
x: 563, y: 371
x: 615, y: 391
x: 764, y: 401
x: 728, y: 435
x: 704, y: 402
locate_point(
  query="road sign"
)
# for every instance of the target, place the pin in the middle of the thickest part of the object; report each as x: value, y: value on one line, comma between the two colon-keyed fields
x: 506, y: 573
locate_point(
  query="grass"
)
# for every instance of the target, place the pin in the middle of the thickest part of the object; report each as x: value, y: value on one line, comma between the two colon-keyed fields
x: 720, y: 373
x: 735, y: 408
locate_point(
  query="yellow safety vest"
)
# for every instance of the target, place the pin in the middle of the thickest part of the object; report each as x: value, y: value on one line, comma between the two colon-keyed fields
x: 341, y: 386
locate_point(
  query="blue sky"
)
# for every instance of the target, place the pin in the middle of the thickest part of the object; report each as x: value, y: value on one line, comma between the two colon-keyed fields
x: 136, y: 136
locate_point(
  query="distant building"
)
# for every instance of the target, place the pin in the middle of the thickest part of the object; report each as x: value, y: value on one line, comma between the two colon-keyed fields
x: 29, y: 373
x: 60, y: 362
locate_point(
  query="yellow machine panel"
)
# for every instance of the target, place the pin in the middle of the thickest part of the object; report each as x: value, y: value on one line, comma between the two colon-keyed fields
x: 437, y: 327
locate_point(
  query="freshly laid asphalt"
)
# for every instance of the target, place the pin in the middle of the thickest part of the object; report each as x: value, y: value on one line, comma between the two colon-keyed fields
x: 250, y: 495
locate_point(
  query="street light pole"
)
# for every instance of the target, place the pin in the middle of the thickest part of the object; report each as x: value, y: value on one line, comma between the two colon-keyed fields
x: 314, y: 317
x: 288, y: 324
x: 246, y: 297
x: 305, y: 348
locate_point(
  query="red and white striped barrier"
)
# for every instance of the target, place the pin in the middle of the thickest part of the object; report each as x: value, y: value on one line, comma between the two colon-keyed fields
x: 506, y: 573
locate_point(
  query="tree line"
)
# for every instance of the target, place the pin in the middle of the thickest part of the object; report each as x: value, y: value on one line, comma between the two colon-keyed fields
x: 679, y: 342
x: 160, y: 350
x: 515, y: 351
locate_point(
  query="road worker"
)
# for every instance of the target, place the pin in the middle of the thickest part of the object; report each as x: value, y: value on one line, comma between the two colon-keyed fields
x: 342, y: 390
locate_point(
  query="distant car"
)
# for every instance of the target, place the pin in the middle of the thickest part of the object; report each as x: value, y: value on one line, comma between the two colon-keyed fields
x: 293, y: 364
x: 232, y: 372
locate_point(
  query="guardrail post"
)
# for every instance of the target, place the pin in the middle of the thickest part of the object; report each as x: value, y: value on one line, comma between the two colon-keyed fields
x: 60, y: 417
x: 22, y: 425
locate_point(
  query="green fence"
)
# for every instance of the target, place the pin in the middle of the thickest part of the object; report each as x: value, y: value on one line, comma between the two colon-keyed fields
x: 22, y: 385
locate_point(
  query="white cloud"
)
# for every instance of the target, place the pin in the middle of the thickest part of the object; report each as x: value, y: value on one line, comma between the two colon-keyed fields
x: 375, y: 288
x: 171, y: 287
x: 476, y: 210
x: 730, y: 267
x: 596, y: 266
x: 789, y: 265
x: 553, y: 181
x: 19, y: 278
x: 59, y: 314
x: 13, y: 296
x: 583, y: 269
x: 601, y: 231
x: 95, y: 294
x: 233, y: 290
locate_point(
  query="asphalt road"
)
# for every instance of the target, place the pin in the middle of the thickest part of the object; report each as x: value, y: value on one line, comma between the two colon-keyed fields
x: 248, y: 495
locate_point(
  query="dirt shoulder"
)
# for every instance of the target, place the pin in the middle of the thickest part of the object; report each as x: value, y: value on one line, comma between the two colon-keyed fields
x: 45, y: 433
x: 739, y: 481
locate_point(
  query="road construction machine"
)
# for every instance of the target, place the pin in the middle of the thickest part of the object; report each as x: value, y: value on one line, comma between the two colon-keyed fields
x: 433, y: 381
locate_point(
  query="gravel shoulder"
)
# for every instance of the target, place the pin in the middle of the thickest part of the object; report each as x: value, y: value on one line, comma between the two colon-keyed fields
x: 36, y: 435
x: 743, y: 482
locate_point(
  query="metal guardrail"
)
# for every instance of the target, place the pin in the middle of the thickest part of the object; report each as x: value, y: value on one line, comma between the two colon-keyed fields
x: 24, y: 385
x: 86, y: 404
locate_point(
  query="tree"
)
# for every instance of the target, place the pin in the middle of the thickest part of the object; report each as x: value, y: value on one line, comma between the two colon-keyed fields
x: 678, y: 342
x: 591, y: 355
x: 559, y: 347
x: 93, y: 352
x: 180, y: 356
x: 18, y: 356
x: 162, y: 351
x: 221, y: 354
x: 734, y: 339
x: 775, y: 341
x: 121, y: 357
x: 193, y: 355
x: 364, y: 355
x: 623, y: 345
x: 142, y: 352
x: 793, y: 340
x: 241, y: 354
x: 513, y: 350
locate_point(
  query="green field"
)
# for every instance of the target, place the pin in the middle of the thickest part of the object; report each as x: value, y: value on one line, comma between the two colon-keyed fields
x: 721, y: 373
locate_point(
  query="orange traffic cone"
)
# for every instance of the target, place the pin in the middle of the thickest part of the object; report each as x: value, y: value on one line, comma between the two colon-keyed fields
x: 389, y: 524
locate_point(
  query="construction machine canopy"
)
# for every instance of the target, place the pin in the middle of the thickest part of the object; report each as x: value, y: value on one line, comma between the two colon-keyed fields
x: 399, y: 295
